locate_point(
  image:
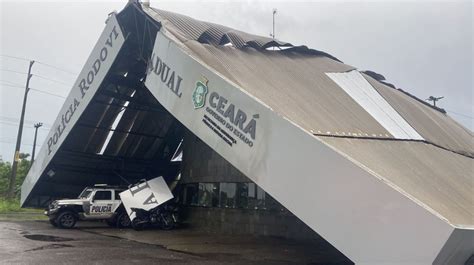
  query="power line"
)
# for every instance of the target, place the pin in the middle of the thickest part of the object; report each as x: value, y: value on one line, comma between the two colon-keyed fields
x: 52, y: 80
x: 14, y: 57
x: 13, y: 71
x: 48, y: 93
x: 57, y: 68
x: 8, y: 142
x: 12, y: 119
x: 39, y: 76
x: 14, y: 122
x: 37, y: 90
x: 460, y: 114
x: 12, y: 83
x: 8, y: 119
x: 16, y: 125
x: 42, y: 63
x: 34, y: 89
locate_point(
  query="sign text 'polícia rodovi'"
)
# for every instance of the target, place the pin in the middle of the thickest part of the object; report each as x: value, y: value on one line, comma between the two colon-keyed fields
x: 83, y: 86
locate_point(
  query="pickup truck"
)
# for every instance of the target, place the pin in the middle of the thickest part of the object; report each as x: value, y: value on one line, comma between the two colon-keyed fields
x: 100, y: 202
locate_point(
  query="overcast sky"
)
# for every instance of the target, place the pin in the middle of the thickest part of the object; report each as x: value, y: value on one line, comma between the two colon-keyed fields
x: 424, y: 47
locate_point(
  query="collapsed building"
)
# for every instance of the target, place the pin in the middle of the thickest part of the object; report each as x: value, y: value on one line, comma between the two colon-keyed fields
x: 258, y: 136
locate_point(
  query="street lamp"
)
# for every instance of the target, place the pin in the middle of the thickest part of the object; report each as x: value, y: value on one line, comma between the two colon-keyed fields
x: 37, y: 125
x: 273, y: 31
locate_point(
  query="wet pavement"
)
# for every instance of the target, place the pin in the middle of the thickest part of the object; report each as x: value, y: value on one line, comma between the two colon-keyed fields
x: 37, y: 242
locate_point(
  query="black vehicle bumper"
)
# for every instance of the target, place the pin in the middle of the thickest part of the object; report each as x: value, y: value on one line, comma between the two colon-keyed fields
x: 51, y: 213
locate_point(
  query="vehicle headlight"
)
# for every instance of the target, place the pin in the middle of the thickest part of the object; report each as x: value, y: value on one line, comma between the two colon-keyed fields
x: 53, y: 205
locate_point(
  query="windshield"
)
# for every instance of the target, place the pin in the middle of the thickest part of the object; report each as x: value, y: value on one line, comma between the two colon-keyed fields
x: 84, y: 194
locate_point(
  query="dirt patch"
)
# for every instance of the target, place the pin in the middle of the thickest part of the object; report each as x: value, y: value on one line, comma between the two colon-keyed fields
x: 51, y: 246
x: 47, y: 238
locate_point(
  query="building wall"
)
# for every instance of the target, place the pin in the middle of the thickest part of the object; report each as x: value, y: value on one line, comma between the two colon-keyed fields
x: 202, y: 165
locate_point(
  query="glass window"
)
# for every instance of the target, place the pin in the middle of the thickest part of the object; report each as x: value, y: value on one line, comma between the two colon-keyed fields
x: 103, y: 195
x: 191, y: 194
x: 179, y: 191
x: 117, y: 195
x: 252, y: 196
x: 208, y: 194
x: 215, y: 195
x: 242, y: 195
x: 271, y: 203
x: 227, y: 195
x: 84, y: 194
x: 260, y: 199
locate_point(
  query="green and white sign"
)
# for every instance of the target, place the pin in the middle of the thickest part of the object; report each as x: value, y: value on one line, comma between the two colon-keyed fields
x: 199, y: 94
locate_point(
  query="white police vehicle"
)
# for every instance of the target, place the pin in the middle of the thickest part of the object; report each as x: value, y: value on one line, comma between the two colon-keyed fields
x: 100, y: 202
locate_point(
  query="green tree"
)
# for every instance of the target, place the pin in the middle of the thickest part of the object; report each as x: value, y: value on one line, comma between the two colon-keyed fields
x: 5, y: 173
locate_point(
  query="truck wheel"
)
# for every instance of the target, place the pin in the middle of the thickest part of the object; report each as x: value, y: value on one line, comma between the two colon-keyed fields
x: 53, y: 222
x: 66, y: 220
x: 123, y: 220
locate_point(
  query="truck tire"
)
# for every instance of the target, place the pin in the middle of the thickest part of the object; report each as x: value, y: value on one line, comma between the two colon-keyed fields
x: 66, y: 220
x: 123, y: 221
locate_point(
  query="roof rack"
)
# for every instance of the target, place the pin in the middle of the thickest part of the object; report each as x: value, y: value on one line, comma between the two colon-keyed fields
x: 107, y: 186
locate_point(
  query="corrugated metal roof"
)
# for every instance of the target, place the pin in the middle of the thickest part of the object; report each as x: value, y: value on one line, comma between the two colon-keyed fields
x: 206, y: 32
x: 309, y: 98
x: 436, y: 173
x: 293, y: 83
x: 433, y: 125
x: 366, y: 96
x: 210, y: 33
x: 440, y: 179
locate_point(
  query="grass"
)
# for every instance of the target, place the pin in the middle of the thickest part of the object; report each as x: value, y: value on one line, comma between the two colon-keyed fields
x: 13, y: 206
x: 9, y: 205
x: 10, y: 210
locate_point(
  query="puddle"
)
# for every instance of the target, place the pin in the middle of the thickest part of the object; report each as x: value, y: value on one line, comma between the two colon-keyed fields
x: 47, y: 238
x: 51, y: 246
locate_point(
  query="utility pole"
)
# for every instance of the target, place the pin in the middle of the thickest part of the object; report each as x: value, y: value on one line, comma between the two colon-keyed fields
x: 16, y: 158
x: 273, y: 28
x: 39, y: 124
x: 434, y: 99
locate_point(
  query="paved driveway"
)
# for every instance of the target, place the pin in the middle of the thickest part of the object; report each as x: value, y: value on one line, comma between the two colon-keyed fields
x: 37, y: 242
